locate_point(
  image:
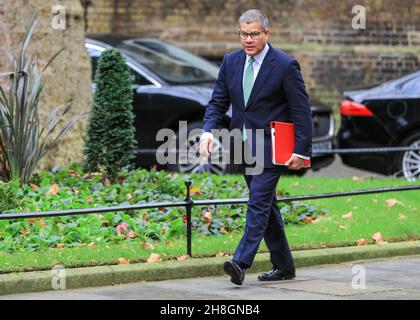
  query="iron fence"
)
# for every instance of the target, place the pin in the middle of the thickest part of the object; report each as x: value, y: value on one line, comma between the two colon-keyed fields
x: 189, y: 203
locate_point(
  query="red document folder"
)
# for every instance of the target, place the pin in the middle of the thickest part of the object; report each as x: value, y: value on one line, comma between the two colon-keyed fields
x: 283, y: 142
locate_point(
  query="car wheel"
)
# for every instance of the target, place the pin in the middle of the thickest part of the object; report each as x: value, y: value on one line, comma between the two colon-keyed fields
x: 409, y: 161
x: 188, y: 162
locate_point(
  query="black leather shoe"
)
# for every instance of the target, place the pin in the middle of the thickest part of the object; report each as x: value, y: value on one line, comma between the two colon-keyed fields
x: 276, y: 274
x: 237, y: 274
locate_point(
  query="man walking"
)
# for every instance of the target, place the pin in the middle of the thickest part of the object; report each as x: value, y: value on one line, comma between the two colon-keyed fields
x: 263, y: 84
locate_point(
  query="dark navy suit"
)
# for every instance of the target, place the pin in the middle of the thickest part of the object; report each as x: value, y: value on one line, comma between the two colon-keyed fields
x: 278, y: 94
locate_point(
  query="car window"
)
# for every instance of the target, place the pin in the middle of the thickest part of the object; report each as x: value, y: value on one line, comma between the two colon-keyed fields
x: 412, y: 86
x: 136, y: 78
x: 176, y: 65
x: 94, y: 56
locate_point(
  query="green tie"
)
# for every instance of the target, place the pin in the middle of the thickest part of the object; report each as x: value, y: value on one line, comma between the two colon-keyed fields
x: 248, y: 83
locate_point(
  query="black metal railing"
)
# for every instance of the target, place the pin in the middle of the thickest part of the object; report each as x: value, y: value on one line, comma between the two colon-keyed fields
x: 367, y: 150
x: 326, y: 151
x: 189, y: 203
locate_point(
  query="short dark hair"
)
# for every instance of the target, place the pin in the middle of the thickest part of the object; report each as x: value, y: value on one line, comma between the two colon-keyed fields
x: 254, y: 15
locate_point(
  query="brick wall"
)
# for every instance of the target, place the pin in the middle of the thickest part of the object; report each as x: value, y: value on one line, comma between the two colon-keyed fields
x: 318, y: 33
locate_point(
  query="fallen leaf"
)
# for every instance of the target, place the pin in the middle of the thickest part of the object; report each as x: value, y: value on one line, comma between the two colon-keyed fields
x: 195, y: 191
x: 148, y: 246
x: 355, y: 178
x: 33, y: 186
x: 307, y: 220
x: 131, y: 234
x: 318, y: 219
x: 154, y: 257
x: 74, y: 173
x: 377, y: 237
x: 362, y: 242
x: 92, y: 245
x: 75, y: 191
x: 90, y: 175
x: 182, y: 258
x: 402, y: 217
x: 207, y: 218
x: 222, y: 230
x: 222, y: 254
x: 60, y: 245
x: 123, y: 260
x: 129, y: 197
x: 347, y: 216
x: 375, y: 200
x: 392, y: 202
x: 53, y: 190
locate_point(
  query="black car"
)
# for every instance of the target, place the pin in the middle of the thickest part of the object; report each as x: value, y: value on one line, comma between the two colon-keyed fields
x: 170, y: 85
x: 387, y: 115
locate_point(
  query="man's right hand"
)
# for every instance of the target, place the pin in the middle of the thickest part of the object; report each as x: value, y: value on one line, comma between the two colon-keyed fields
x: 206, y: 144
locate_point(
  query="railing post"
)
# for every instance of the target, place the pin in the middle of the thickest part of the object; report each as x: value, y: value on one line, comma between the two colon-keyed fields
x: 188, y: 206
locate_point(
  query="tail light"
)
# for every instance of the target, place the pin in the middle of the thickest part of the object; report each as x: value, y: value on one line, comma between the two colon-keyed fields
x: 351, y: 108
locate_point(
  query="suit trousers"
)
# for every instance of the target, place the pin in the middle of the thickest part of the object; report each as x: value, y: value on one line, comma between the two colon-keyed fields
x: 263, y: 220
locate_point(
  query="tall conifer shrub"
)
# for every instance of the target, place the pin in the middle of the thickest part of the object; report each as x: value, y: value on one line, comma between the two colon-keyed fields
x: 110, y: 134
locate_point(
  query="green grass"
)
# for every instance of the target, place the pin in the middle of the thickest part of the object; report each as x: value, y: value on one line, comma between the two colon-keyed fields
x: 370, y: 215
x: 370, y: 212
x: 109, y: 254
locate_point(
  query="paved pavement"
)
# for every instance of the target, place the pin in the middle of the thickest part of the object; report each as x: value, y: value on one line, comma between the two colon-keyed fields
x: 387, y: 279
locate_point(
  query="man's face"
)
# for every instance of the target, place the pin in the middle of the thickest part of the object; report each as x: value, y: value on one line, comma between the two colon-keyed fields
x: 252, y: 47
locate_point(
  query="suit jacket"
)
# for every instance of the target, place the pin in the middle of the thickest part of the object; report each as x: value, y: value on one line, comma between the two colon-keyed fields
x: 278, y: 94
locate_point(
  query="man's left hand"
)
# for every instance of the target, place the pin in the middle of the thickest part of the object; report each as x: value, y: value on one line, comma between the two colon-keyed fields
x: 295, y: 163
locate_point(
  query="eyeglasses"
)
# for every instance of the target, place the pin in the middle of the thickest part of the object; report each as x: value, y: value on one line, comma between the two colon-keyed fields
x: 254, y: 35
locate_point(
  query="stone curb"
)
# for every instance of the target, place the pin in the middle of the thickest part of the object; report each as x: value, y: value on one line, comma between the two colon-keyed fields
x: 191, y: 268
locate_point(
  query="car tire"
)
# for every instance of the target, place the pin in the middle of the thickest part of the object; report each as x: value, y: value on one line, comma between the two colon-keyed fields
x: 183, y: 164
x: 408, y: 162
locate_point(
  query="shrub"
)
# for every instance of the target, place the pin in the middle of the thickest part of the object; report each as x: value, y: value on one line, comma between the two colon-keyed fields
x: 110, y: 135
x: 23, y: 141
x: 10, y: 196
